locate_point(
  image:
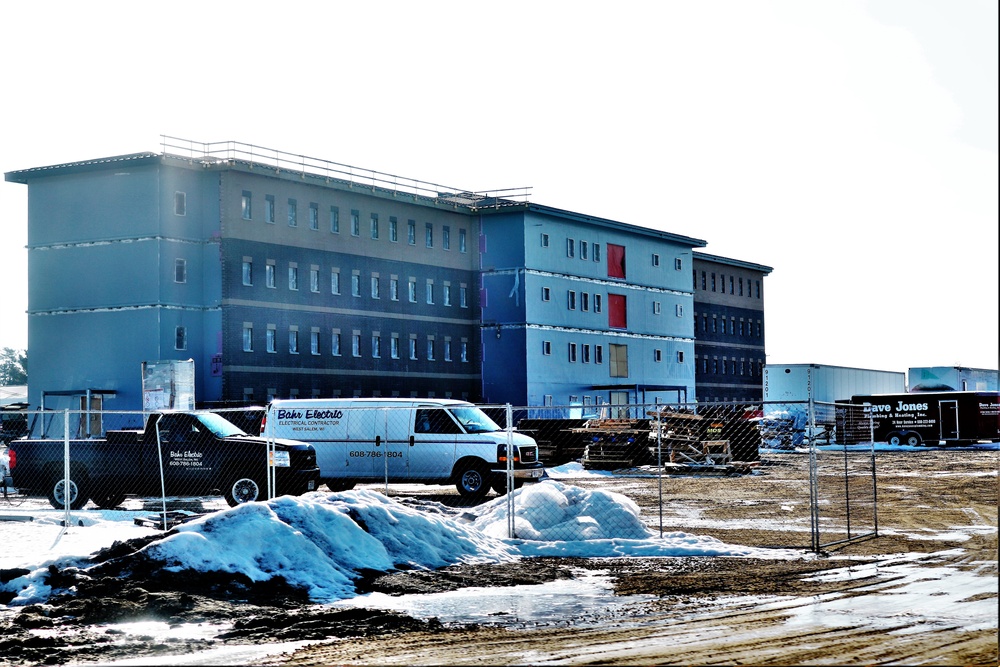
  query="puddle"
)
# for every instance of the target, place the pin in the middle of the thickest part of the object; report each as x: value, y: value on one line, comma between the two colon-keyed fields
x: 588, y: 599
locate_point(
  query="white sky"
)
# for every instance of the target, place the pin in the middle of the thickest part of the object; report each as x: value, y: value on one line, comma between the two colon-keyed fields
x: 850, y: 146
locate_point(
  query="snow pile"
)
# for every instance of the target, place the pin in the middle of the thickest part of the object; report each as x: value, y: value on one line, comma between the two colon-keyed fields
x: 320, y: 541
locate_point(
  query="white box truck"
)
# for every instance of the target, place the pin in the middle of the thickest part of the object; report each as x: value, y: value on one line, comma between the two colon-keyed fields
x: 400, y: 440
x: 789, y: 387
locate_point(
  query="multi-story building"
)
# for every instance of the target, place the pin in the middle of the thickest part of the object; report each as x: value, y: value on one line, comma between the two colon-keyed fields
x: 285, y: 276
x: 729, y: 328
x: 584, y: 310
x: 277, y: 279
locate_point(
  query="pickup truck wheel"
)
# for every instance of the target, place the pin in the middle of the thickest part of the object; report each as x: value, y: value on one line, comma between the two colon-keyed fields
x: 76, y: 489
x: 243, y: 490
x: 108, y: 500
x: 471, y: 479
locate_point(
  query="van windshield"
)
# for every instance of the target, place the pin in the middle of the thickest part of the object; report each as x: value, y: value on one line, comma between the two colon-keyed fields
x: 474, y: 420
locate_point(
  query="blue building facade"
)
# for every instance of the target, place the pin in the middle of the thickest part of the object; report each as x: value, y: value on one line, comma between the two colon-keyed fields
x: 579, y: 310
x: 294, y: 277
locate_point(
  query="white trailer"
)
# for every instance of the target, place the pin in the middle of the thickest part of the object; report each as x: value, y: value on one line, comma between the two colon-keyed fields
x: 789, y: 387
x: 953, y: 378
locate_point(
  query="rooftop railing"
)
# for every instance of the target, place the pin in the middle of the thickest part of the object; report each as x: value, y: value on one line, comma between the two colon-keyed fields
x: 228, y: 151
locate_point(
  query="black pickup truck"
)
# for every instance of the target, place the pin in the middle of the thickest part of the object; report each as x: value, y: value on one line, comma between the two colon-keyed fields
x: 197, y: 454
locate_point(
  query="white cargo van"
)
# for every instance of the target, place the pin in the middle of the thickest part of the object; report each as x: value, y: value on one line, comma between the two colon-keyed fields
x: 404, y: 440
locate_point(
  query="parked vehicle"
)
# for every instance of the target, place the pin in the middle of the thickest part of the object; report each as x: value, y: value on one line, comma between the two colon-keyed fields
x: 948, y: 417
x: 427, y: 441
x: 13, y: 422
x: 788, y: 388
x: 199, y: 453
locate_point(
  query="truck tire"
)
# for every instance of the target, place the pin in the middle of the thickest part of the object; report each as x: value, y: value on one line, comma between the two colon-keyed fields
x: 77, y: 492
x: 894, y: 439
x: 500, y: 486
x: 337, y: 487
x: 108, y: 500
x: 243, y: 490
x: 472, y: 478
x: 912, y: 440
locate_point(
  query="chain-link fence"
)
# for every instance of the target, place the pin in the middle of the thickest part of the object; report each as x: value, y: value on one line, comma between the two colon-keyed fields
x: 766, y: 475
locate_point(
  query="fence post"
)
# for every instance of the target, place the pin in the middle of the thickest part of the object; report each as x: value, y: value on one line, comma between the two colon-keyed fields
x: 163, y: 487
x: 66, y: 479
x: 509, y: 481
x: 813, y: 486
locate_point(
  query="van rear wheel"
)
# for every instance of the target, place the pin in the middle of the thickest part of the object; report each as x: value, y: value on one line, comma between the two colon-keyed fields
x: 472, y: 479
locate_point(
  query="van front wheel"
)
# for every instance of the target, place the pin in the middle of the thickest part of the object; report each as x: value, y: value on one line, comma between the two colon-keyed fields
x: 472, y: 479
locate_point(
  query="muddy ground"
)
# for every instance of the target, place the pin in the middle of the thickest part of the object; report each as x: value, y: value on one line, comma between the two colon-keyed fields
x: 700, y: 610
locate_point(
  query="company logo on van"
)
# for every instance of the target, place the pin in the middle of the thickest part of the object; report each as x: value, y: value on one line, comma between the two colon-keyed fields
x: 309, y: 414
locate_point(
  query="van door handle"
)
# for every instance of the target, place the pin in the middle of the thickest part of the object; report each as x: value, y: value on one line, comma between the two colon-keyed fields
x: 411, y: 441
x: 378, y: 441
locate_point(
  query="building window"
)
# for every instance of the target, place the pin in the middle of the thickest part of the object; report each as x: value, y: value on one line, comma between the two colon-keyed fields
x: 446, y: 237
x: 545, y: 240
x: 355, y: 284
x: 571, y: 299
x: 334, y: 220
x: 293, y: 341
x: 430, y: 349
x: 293, y: 213
x: 376, y: 346
x: 586, y: 354
x: 570, y: 248
x: 412, y: 290
x: 583, y: 250
x: 617, y: 311
x: 546, y: 347
x: 758, y: 289
x: 293, y: 277
x: 463, y: 296
x: 335, y: 344
x: 656, y: 259
x: 430, y: 292
x: 678, y: 264
x: 703, y: 283
x: 180, y: 271
x: 393, y: 230
x: 616, y: 261
x: 314, y: 342
x: 314, y: 217
x: 656, y: 307
x: 732, y: 285
x: 597, y: 252
x: 374, y: 225
x: 375, y: 287
x: 464, y: 351
x: 248, y: 272
x: 394, y: 346
x: 429, y: 235
x: 657, y: 355
x: 413, y: 348
x: 269, y: 209
x: 572, y: 353
x: 446, y: 294
x: 584, y: 301
x: 461, y: 241
x: 679, y: 309
x: 356, y: 345
x: 355, y: 223
x: 269, y: 279
x: 715, y: 324
x: 271, y: 339
x: 741, y: 287
x: 394, y: 289
x: 619, y: 360
x: 246, y: 201
x: 411, y: 232
x: 598, y: 354
x: 180, y: 338
x: 335, y: 281
x: 247, y: 337
x: 546, y: 294
x: 597, y: 303
x: 180, y: 203
x: 447, y: 350
x: 314, y: 279
x: 713, y: 281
